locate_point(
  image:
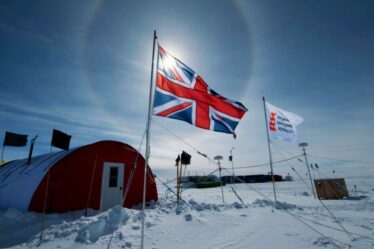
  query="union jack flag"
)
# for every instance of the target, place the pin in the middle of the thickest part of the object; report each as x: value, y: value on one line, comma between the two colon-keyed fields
x: 182, y: 94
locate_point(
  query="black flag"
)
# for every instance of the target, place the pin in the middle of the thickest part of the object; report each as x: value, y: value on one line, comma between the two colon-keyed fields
x: 185, y: 158
x: 14, y: 139
x: 60, y: 140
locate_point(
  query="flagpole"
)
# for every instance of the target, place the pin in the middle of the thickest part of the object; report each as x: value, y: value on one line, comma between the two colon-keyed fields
x: 220, y: 177
x: 271, y: 160
x: 147, y: 147
x: 2, y: 154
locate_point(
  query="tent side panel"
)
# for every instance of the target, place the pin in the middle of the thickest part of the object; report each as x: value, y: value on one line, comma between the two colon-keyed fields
x: 70, y: 178
x: 135, y: 193
x: 69, y: 182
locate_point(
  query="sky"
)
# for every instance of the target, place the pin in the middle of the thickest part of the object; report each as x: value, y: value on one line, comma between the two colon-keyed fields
x: 84, y: 67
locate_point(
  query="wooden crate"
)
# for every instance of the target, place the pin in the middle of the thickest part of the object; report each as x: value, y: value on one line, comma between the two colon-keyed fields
x: 331, y: 188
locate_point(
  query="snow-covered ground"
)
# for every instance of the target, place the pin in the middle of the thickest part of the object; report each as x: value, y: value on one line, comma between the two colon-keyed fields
x: 298, y: 221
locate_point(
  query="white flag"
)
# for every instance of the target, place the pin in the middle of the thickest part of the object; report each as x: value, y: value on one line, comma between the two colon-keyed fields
x: 282, y: 124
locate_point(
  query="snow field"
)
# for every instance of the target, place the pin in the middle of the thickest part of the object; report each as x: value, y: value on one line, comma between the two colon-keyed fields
x: 208, y: 223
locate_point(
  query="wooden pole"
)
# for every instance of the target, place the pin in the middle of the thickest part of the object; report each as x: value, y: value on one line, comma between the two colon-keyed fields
x: 270, y: 157
x: 180, y: 180
x: 177, y: 184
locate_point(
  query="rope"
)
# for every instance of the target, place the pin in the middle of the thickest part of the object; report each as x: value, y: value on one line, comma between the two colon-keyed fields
x: 334, y: 228
x: 297, y: 173
x: 297, y: 218
x: 172, y: 191
x: 266, y: 164
x: 132, y: 173
x: 324, y: 175
x: 278, y: 149
x: 185, y: 142
x: 197, y: 151
x: 204, y: 155
x: 332, y: 190
x: 211, y: 173
x: 342, y: 160
x: 349, y: 235
x: 237, y: 196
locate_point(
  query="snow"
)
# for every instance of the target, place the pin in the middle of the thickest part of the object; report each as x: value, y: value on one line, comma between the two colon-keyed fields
x: 297, y: 220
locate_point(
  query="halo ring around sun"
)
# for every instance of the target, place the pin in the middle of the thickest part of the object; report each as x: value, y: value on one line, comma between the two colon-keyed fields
x: 89, y: 80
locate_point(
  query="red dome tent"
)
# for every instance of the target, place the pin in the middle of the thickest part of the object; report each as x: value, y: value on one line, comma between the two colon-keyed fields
x: 94, y: 176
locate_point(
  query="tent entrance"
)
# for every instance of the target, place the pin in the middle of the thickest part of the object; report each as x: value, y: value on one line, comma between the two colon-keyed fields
x: 112, y: 185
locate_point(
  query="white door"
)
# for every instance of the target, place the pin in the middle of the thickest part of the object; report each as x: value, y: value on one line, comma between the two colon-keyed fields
x: 112, y: 184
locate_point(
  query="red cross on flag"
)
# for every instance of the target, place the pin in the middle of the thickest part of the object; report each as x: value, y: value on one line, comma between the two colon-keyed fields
x: 182, y: 94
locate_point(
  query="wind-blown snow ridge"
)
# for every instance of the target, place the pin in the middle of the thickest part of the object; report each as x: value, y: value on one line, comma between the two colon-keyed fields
x: 212, y: 206
x: 278, y: 204
x: 105, y: 223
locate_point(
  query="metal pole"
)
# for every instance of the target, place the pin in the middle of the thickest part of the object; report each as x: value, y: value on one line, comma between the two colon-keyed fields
x: 310, y: 176
x: 178, y: 185
x: 220, y: 177
x: 147, y: 147
x: 271, y: 160
x: 232, y: 167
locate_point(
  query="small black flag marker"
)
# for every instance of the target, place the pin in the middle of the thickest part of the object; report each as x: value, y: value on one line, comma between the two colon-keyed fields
x: 14, y: 139
x: 60, y: 140
x: 185, y: 158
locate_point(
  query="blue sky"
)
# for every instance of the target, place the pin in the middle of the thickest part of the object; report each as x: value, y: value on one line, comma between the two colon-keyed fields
x: 84, y: 68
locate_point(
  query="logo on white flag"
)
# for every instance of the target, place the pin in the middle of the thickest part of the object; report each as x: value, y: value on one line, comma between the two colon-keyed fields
x: 282, y: 124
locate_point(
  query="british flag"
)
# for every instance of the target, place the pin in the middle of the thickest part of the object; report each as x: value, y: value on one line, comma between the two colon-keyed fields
x: 182, y: 94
